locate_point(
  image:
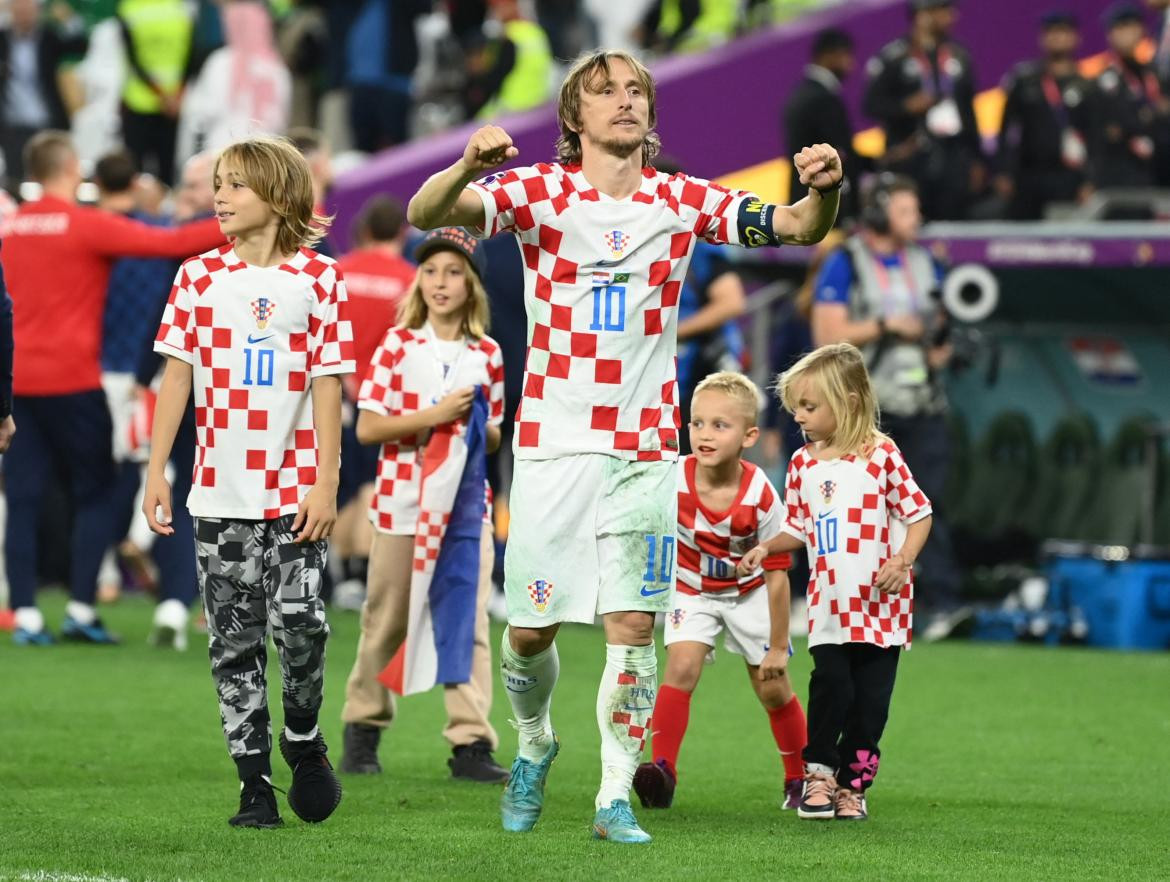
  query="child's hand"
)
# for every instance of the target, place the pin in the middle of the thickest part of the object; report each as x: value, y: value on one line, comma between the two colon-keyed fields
x: 454, y: 405
x: 157, y: 496
x: 892, y: 576
x: 775, y: 664
x: 317, y: 514
x: 751, y: 561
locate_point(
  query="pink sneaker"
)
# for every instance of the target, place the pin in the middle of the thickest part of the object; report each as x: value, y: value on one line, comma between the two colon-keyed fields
x: 850, y: 805
x: 816, y: 801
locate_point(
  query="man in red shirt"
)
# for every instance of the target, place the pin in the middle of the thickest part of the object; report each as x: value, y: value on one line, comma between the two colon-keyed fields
x: 377, y: 277
x: 57, y: 256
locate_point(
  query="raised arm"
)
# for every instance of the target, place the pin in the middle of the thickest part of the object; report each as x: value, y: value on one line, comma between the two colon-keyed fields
x: 807, y: 221
x: 444, y: 200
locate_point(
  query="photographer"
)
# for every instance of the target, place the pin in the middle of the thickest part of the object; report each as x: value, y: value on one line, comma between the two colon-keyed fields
x: 879, y: 292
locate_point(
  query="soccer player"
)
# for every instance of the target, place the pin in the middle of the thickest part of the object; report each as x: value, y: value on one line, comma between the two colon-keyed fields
x: 606, y: 241
x: 259, y: 330
x: 852, y: 502
x: 726, y: 506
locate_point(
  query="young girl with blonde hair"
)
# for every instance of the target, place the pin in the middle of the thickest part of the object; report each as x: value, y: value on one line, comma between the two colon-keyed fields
x: 852, y: 502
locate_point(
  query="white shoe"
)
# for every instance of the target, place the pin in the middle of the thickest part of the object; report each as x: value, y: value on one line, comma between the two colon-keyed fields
x: 170, y: 625
x: 349, y: 595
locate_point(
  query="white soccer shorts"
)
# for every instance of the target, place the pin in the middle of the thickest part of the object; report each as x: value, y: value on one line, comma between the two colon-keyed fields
x: 744, y: 619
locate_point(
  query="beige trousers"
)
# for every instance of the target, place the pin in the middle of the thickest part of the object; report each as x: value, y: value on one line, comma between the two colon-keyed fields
x: 384, y: 619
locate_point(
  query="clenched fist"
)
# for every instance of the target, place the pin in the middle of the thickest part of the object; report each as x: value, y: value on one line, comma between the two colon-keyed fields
x: 819, y: 167
x: 488, y: 148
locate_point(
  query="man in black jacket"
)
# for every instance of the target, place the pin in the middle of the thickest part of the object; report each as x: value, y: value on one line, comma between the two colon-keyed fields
x: 815, y: 113
x: 922, y: 90
x: 30, y: 100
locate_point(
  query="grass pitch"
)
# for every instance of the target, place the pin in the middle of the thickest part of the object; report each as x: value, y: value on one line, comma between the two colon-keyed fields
x: 1000, y: 761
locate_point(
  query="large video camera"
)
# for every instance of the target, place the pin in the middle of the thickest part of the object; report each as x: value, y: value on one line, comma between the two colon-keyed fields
x: 968, y: 294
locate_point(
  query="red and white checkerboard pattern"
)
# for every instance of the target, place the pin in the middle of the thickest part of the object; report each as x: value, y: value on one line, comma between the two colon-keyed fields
x: 711, y: 543
x: 429, y: 538
x: 402, y: 378
x: 600, y: 368
x: 257, y: 446
x: 871, y: 500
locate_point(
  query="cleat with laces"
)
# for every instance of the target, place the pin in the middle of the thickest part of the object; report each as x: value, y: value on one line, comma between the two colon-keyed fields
x: 850, y: 805
x: 816, y: 802
x: 315, y: 791
x: 618, y: 824
x: 524, y: 794
x: 95, y: 632
x: 654, y: 783
x: 793, y: 790
x: 257, y: 805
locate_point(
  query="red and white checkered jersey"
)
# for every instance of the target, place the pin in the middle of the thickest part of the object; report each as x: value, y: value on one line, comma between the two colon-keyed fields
x: 602, y: 278
x: 255, y: 338
x: 852, y: 514
x: 711, y: 543
x: 405, y: 376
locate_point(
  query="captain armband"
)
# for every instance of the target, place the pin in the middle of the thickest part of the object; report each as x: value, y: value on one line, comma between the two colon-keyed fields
x: 755, y: 223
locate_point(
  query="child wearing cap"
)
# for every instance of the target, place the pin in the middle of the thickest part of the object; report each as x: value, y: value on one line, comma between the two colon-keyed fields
x: 423, y: 376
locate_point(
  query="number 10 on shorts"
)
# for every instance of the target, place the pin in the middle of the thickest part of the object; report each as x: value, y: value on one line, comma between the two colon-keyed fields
x: 659, y: 559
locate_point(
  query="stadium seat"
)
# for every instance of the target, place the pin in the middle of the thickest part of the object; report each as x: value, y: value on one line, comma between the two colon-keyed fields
x: 1115, y: 517
x: 1001, y: 478
x: 1067, y: 474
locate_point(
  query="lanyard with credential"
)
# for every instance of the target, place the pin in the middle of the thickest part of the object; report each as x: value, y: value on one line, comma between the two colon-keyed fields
x: 887, y: 286
x: 445, y: 374
x: 944, y: 86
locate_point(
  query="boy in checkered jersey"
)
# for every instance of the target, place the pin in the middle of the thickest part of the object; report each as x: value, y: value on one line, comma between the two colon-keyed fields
x: 605, y: 240
x: 852, y: 502
x: 726, y: 506
x: 258, y: 330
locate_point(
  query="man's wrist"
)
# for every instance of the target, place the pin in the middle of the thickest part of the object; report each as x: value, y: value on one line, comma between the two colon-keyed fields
x: 825, y: 191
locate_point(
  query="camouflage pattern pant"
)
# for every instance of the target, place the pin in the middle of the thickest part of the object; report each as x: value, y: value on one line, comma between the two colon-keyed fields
x: 253, y: 576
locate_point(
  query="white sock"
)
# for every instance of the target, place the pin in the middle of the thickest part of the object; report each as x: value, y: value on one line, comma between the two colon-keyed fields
x: 297, y: 736
x: 529, y: 681
x: 82, y: 613
x: 29, y: 618
x: 625, y: 703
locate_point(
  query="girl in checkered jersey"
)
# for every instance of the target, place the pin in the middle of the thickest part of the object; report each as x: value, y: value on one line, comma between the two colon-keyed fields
x: 853, y: 504
x: 422, y: 376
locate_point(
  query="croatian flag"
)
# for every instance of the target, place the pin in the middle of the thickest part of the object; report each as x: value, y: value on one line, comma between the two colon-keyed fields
x: 440, y: 632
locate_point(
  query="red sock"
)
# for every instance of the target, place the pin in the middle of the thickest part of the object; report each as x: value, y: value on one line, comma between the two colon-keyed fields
x: 790, y: 729
x: 672, y: 712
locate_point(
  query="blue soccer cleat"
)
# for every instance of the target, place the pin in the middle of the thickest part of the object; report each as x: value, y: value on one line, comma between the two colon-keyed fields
x: 95, y: 632
x: 25, y: 637
x: 618, y: 824
x: 524, y: 794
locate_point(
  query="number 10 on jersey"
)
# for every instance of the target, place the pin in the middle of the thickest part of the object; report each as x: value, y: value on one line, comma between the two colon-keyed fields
x: 258, y: 366
x: 609, y: 308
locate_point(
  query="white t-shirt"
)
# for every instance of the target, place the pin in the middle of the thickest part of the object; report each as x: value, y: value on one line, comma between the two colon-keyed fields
x: 255, y: 338
x: 409, y: 371
x: 601, y: 285
x: 852, y: 514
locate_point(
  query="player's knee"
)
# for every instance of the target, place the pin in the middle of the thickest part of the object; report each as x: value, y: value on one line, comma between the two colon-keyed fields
x: 629, y: 628
x: 530, y: 641
x: 682, y: 674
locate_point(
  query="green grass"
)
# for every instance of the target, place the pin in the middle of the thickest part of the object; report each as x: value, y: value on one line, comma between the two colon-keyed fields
x: 1000, y: 761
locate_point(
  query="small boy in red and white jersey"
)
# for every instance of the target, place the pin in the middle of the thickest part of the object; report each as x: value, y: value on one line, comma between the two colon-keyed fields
x: 726, y: 506
x: 259, y: 331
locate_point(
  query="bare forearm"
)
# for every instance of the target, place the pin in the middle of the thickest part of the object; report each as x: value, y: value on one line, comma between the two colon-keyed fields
x: 916, y: 535
x: 857, y: 333
x: 493, y: 438
x: 782, y: 543
x: 435, y: 200
x: 779, y: 606
x: 168, y: 413
x: 326, y: 394
x: 376, y: 428
x: 809, y: 220
x: 727, y: 301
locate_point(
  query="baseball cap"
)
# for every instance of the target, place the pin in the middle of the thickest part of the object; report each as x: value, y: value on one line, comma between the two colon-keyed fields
x: 1058, y: 18
x: 1121, y: 13
x: 454, y: 239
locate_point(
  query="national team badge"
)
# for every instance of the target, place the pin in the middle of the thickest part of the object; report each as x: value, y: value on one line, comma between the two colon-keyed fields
x: 617, y: 242
x: 828, y: 488
x: 540, y: 593
x: 262, y: 310
x: 676, y: 617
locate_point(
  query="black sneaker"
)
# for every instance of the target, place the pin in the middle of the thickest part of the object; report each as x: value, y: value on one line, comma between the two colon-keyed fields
x: 315, y: 791
x: 474, y: 762
x: 360, y: 750
x: 257, y: 805
x: 654, y: 783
